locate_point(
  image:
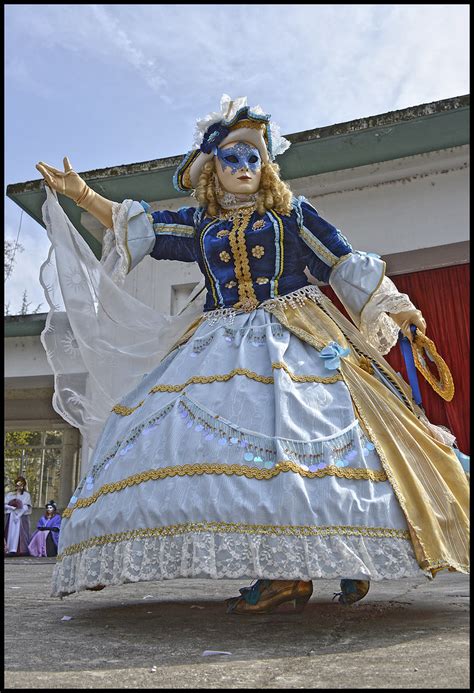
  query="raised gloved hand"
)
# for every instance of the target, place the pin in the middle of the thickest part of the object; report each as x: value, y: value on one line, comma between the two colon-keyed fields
x: 66, y: 182
x: 69, y: 183
x: 409, y: 317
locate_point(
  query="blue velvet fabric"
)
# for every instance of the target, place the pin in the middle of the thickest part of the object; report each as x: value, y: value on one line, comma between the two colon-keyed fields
x: 278, y: 249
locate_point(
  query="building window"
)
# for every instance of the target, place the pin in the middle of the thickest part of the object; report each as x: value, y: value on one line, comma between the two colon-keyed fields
x: 36, y: 455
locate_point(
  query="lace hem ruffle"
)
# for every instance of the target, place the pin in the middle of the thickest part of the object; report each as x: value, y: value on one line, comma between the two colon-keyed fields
x: 376, y: 326
x: 235, y: 555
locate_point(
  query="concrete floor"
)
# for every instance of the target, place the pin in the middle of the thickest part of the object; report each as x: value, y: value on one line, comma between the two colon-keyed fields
x: 152, y: 635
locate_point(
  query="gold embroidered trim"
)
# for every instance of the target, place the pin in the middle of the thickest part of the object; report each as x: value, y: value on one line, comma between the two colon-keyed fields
x: 262, y: 280
x: 259, y: 224
x: 341, y: 260
x: 237, y: 528
x: 224, y: 256
x: 317, y: 247
x: 126, y: 411
x: 174, y: 229
x: 258, y: 251
x: 248, y: 123
x: 307, y: 378
x: 248, y: 299
x: 228, y: 470
x: 206, y: 379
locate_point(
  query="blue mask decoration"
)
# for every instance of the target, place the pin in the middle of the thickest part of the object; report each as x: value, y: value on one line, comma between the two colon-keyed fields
x: 241, y: 155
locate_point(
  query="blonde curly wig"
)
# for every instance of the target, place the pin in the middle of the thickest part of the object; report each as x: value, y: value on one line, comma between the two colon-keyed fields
x: 273, y: 193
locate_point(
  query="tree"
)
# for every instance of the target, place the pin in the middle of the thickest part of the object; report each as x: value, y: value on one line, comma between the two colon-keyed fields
x: 11, y: 248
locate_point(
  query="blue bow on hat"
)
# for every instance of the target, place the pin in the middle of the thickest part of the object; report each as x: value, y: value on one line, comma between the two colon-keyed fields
x: 332, y: 355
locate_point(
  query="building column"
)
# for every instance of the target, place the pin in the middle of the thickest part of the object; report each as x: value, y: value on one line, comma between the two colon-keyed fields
x: 66, y: 482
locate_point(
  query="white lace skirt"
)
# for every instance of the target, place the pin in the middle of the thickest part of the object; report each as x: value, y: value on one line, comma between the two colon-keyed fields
x: 240, y: 456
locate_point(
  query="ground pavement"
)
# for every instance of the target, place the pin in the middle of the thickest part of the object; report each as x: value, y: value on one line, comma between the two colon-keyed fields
x: 404, y: 634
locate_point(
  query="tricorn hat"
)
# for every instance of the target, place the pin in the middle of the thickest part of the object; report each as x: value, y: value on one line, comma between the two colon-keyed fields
x: 235, y: 122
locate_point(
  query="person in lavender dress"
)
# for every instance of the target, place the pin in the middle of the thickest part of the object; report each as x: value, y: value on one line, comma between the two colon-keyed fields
x: 17, y: 522
x: 45, y: 539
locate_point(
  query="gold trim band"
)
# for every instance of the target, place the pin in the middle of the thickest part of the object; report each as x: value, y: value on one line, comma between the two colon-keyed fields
x: 229, y: 470
x: 237, y: 528
x: 122, y: 410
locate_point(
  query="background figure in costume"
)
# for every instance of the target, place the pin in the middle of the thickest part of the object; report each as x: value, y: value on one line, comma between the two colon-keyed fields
x: 17, y: 521
x: 44, y: 541
x: 272, y: 440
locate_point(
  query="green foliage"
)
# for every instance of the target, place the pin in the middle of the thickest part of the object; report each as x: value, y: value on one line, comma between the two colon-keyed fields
x: 40, y: 465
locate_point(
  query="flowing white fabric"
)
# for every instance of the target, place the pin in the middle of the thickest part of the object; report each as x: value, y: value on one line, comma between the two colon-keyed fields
x: 99, y: 340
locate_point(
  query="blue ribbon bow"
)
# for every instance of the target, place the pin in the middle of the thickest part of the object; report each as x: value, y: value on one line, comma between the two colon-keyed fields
x: 332, y: 355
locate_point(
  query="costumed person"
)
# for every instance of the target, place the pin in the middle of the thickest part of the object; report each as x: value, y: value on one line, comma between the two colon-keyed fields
x: 17, y: 521
x: 44, y: 541
x: 269, y: 439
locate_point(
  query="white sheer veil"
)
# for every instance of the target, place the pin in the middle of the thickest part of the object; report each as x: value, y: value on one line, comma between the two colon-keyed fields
x: 100, y: 341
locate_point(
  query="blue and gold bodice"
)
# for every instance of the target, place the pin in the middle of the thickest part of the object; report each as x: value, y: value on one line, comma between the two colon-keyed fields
x: 247, y: 258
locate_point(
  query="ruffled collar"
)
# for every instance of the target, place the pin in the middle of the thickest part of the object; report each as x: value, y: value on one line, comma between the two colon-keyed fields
x: 229, y: 200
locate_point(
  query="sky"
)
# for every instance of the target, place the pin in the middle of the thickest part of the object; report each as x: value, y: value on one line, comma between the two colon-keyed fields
x: 120, y: 83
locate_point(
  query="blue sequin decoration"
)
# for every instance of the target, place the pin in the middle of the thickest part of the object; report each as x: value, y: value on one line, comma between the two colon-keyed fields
x: 245, y: 155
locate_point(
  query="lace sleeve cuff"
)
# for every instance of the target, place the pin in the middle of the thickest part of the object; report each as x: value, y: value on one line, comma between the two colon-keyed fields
x: 377, y: 327
x: 131, y: 238
x: 368, y: 295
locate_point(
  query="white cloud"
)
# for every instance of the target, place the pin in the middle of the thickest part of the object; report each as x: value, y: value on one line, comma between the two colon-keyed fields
x: 316, y: 62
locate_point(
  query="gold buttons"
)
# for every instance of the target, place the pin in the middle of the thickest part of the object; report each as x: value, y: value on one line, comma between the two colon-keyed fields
x: 258, y: 251
x: 224, y: 256
x: 262, y: 280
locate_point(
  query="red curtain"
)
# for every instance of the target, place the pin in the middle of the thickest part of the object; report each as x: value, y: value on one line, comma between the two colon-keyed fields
x: 442, y: 295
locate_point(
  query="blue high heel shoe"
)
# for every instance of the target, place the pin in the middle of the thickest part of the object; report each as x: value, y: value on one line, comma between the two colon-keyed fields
x: 352, y: 591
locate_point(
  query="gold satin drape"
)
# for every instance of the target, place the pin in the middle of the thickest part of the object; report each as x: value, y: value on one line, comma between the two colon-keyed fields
x: 425, y: 475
